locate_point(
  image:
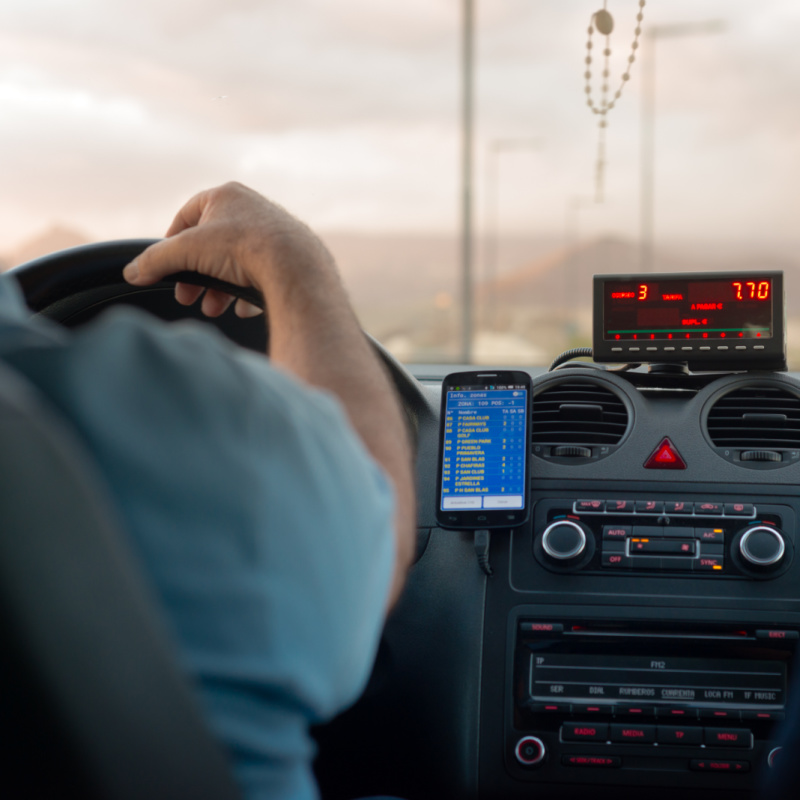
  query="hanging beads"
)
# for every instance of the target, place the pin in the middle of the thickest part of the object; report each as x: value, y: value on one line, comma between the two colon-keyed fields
x: 604, y: 23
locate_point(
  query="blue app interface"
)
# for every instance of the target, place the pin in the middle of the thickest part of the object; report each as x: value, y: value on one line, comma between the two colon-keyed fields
x: 484, y: 447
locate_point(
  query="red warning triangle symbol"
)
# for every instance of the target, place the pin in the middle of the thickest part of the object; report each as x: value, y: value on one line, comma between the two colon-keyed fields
x: 665, y: 456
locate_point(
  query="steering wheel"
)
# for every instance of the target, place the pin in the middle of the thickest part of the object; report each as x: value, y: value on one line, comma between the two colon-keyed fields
x: 73, y: 286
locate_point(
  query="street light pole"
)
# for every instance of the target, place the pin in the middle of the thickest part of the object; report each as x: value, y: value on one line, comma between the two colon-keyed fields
x: 490, y: 233
x: 648, y: 146
x: 467, y: 87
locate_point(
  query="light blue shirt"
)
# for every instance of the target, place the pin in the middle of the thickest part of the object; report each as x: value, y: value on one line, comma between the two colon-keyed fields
x: 260, y: 520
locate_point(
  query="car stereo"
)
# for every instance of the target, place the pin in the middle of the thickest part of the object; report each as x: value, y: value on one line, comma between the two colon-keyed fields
x: 709, y: 321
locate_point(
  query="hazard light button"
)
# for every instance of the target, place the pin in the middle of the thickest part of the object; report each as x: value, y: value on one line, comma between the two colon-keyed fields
x: 665, y: 456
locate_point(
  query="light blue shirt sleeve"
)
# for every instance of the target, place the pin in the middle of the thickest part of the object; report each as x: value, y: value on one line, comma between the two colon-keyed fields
x: 263, y: 525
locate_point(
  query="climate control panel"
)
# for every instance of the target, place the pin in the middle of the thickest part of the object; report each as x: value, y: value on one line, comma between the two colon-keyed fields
x: 709, y: 537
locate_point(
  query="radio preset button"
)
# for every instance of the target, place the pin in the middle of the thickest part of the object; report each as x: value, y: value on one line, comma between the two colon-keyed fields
x: 728, y: 737
x: 677, y: 713
x: 549, y: 708
x: 764, y: 716
x: 637, y: 712
x: 679, y: 735
x: 591, y: 709
x: 633, y: 734
x: 732, y: 715
x: 584, y: 732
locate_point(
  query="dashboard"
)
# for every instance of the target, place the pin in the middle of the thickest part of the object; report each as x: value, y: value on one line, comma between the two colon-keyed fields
x: 637, y: 633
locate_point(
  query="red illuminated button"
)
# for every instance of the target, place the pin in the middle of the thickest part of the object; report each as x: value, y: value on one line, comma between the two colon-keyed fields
x: 777, y: 635
x: 679, y: 507
x: 728, y: 737
x: 713, y: 765
x: 677, y: 735
x: 633, y: 734
x: 739, y: 509
x: 620, y: 506
x: 708, y: 509
x: 584, y: 732
x: 543, y: 628
x: 665, y: 456
x: 590, y: 506
x: 616, y: 532
x: 591, y: 761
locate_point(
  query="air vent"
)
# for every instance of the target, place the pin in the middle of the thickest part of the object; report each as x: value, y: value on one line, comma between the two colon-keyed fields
x: 756, y: 426
x: 576, y: 420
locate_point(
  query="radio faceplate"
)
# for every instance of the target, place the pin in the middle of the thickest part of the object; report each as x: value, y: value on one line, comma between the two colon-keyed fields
x: 617, y: 701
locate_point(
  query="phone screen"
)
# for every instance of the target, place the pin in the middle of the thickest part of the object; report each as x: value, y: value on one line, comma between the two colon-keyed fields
x: 484, y: 449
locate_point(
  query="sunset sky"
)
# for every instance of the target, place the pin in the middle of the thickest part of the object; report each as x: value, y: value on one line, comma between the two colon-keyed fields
x: 347, y: 112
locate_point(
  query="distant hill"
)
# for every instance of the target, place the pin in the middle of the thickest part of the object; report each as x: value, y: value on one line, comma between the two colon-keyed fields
x: 56, y: 237
x: 564, y: 275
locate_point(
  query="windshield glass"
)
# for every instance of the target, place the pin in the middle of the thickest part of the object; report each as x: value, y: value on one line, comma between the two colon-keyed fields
x: 351, y: 115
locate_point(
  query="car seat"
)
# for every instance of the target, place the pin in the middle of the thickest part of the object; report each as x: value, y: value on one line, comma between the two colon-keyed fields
x: 92, y: 701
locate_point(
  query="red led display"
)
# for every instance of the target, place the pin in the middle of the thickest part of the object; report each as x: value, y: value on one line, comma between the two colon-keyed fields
x: 701, y: 308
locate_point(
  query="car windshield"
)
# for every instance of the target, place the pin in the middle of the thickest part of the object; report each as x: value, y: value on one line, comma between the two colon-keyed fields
x: 602, y: 136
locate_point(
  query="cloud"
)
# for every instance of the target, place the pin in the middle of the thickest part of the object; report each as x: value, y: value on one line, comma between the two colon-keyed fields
x: 348, y: 111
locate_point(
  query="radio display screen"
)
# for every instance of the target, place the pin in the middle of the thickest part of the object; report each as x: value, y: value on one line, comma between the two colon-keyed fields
x: 739, y: 683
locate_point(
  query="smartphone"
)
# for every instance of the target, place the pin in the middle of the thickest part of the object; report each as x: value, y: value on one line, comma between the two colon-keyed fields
x: 484, y: 450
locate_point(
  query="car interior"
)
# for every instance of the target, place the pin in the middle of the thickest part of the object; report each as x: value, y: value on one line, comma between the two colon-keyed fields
x: 637, y: 631
x: 618, y: 228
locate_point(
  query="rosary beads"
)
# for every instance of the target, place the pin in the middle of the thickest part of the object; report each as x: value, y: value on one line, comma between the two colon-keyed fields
x: 604, y: 23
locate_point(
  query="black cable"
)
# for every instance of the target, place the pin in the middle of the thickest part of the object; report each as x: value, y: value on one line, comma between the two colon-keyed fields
x: 585, y: 352
x: 577, y: 352
x: 482, y: 541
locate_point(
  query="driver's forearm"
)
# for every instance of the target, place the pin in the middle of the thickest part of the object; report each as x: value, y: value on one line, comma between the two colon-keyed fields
x: 315, y: 335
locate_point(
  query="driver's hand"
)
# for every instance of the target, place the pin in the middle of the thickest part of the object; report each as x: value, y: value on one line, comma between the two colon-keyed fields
x: 234, y: 234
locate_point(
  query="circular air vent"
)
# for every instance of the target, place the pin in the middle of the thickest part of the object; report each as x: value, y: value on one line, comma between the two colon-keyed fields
x: 756, y: 426
x: 577, y: 420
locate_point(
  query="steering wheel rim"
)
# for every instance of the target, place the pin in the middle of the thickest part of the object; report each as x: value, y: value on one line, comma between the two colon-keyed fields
x: 67, y: 285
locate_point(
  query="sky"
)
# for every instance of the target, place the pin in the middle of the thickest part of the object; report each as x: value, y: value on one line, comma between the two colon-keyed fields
x: 347, y: 112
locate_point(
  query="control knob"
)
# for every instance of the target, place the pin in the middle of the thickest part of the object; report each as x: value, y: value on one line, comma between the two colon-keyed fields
x: 762, y: 547
x: 564, y: 540
x: 530, y: 751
